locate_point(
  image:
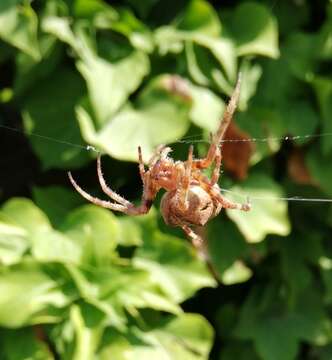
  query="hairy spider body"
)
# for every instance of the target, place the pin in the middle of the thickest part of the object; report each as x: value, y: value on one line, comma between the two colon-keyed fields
x: 201, y: 207
x: 191, y: 198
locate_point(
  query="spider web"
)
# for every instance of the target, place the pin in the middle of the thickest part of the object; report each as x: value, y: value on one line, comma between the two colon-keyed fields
x: 198, y: 139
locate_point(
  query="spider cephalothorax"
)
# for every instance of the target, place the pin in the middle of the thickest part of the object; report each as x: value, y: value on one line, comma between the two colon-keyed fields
x: 191, y: 198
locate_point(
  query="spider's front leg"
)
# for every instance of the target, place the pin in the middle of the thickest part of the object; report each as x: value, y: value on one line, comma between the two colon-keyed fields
x: 120, y: 204
x: 224, y: 123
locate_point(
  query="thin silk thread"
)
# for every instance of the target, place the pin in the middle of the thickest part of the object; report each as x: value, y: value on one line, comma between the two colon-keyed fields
x: 191, y: 139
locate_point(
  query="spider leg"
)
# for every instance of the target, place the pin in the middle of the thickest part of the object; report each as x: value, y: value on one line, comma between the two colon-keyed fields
x: 141, y: 164
x: 195, y: 239
x: 224, y: 123
x: 214, y: 192
x: 129, y: 209
x: 94, y: 200
x: 185, y: 181
x: 112, y: 194
x: 216, y: 170
x: 147, y: 199
x: 161, y: 152
x: 227, y: 204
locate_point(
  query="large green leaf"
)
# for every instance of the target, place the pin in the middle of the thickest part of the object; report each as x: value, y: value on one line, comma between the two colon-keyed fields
x: 101, y: 77
x: 42, y: 108
x: 264, y: 319
x: 18, y: 26
x: 13, y: 241
x: 200, y: 16
x: 52, y: 246
x: 100, y: 74
x: 186, y: 337
x: 23, y: 344
x: 173, y: 265
x: 160, y: 116
x: 268, y: 214
x: 323, y: 89
x: 47, y: 199
x: 95, y: 231
x: 25, y: 296
x: 226, y: 246
x: 207, y: 108
x: 255, y: 30
x: 25, y: 214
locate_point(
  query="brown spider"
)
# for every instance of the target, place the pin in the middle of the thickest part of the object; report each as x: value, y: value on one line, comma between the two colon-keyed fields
x: 191, y: 198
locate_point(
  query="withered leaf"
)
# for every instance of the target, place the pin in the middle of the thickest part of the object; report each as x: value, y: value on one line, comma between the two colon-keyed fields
x: 236, y: 151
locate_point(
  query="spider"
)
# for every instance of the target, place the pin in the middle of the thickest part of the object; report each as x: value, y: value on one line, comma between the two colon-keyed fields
x: 191, y: 198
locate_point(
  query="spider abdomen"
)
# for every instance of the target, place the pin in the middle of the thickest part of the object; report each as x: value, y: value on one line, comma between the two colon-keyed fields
x: 199, y: 210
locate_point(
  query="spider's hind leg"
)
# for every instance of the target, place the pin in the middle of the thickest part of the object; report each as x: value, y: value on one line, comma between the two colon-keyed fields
x: 196, y: 240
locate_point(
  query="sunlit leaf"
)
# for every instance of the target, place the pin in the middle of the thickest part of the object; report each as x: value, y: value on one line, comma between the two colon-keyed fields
x: 255, y: 30
x: 236, y: 273
x: 185, y: 337
x: 160, y: 116
x: 25, y: 214
x: 13, y: 241
x: 101, y: 77
x: 172, y: 264
x: 25, y: 296
x: 94, y: 231
x: 200, y: 16
x: 268, y: 214
x: 18, y: 26
x: 207, y: 108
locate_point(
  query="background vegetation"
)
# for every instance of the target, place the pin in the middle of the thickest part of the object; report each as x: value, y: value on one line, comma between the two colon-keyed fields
x: 79, y: 282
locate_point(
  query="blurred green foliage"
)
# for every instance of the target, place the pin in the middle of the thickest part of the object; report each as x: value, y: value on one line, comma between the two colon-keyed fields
x: 79, y: 282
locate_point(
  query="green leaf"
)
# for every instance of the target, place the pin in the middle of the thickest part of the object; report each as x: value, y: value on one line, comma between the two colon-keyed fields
x: 160, y: 116
x: 226, y: 245
x: 323, y: 90
x: 173, y: 265
x: 42, y: 108
x: 26, y: 294
x: 18, y: 27
x: 268, y: 214
x: 25, y: 214
x: 207, y: 108
x: 24, y: 344
x: 237, y: 273
x: 255, y: 30
x: 265, y: 316
x: 101, y: 75
x: 301, y: 51
x: 47, y: 199
x: 52, y: 246
x: 320, y: 169
x: 13, y: 241
x: 95, y: 232
x: 263, y: 122
x: 87, y: 337
x: 29, y: 72
x: 185, y: 337
x: 200, y: 16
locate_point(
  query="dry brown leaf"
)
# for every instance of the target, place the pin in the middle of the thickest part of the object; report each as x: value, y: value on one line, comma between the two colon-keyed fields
x: 236, y: 155
x: 297, y: 168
